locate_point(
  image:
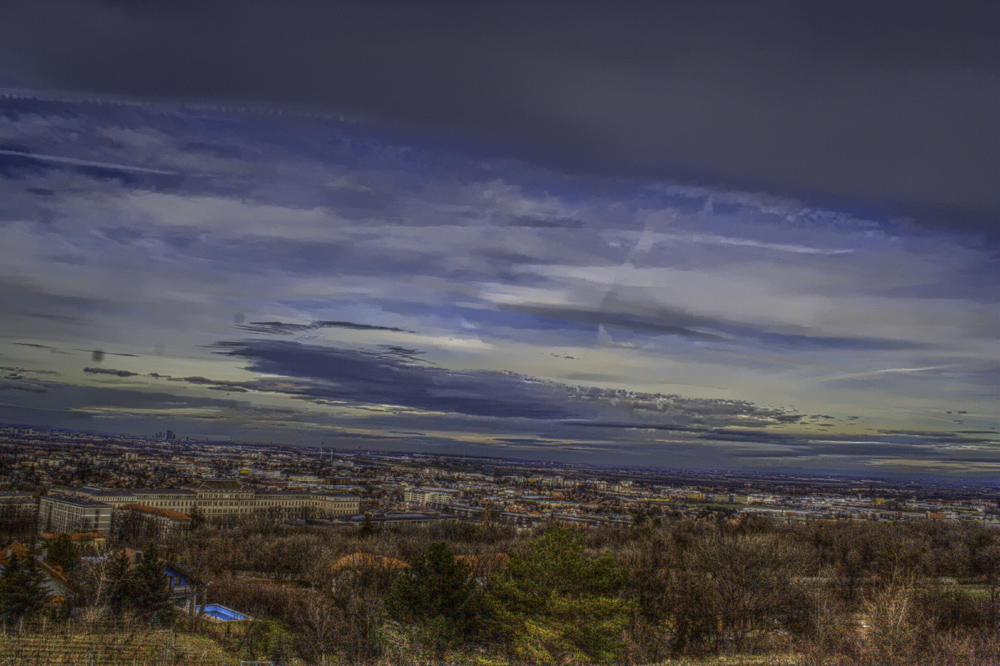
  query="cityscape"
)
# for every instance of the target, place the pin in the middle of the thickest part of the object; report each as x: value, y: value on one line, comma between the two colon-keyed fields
x: 171, y: 476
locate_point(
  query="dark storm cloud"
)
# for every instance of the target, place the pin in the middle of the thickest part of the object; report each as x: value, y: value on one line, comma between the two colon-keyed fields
x: 393, y: 376
x: 102, y: 353
x: 387, y: 379
x: 284, y: 328
x: 34, y: 345
x: 216, y: 384
x: 110, y: 371
x: 701, y: 433
x: 873, y: 101
x: 289, y: 387
x: 958, y: 437
x: 861, y: 451
x: 403, y: 354
x: 135, y: 407
x: 663, y: 322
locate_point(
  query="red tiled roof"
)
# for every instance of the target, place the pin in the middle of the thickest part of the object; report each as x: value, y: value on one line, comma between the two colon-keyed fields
x: 20, y: 551
x: 73, y: 536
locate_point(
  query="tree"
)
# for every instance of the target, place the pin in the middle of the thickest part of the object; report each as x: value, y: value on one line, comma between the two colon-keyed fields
x: 62, y: 552
x: 654, y: 561
x: 744, y: 584
x: 367, y: 527
x: 142, y: 589
x: 153, y: 587
x: 197, y: 518
x: 437, y: 593
x: 21, y: 591
x: 557, y: 603
x: 17, y: 521
x: 121, y: 585
x: 132, y: 529
x: 363, y: 611
x: 986, y: 565
x: 320, y: 626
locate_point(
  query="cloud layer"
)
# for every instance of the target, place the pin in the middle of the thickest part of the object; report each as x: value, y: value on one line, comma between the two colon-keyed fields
x: 308, y: 279
x: 866, y: 101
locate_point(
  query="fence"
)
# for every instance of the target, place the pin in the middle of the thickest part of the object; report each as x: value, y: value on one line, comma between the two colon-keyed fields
x: 73, y: 643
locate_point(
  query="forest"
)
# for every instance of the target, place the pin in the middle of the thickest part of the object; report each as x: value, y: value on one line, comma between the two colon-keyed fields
x: 663, y: 589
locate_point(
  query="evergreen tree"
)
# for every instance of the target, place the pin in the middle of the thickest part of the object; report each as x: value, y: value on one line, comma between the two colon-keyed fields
x: 437, y: 593
x: 21, y: 591
x: 557, y: 604
x: 152, y: 587
x: 367, y: 527
x: 278, y: 651
x: 142, y: 589
x: 121, y: 585
x: 197, y: 518
x: 62, y: 552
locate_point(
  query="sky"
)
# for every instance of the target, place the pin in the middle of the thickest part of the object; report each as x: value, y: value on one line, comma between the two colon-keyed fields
x: 726, y: 235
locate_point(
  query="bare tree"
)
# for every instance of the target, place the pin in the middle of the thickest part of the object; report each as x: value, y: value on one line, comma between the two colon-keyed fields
x: 747, y: 581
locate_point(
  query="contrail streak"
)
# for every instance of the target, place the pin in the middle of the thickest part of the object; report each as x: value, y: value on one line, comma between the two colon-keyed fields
x: 87, y: 163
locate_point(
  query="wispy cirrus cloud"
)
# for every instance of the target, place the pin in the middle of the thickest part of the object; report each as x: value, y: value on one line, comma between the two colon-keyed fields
x: 430, y: 289
x: 21, y: 385
x: 72, y: 161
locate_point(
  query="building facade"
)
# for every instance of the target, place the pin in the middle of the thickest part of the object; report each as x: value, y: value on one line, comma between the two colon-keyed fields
x: 222, y: 497
x: 434, y: 497
x: 66, y: 513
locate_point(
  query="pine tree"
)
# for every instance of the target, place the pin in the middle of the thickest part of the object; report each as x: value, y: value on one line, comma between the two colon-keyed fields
x: 121, y: 585
x: 21, y: 589
x: 142, y: 589
x: 557, y: 604
x: 62, y: 552
x: 197, y: 518
x: 152, y: 588
x: 437, y: 593
x: 367, y: 527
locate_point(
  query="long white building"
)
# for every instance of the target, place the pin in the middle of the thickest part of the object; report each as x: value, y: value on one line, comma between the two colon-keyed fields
x: 212, y: 497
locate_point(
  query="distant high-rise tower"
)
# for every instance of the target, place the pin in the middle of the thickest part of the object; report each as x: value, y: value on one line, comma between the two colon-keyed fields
x: 170, y: 435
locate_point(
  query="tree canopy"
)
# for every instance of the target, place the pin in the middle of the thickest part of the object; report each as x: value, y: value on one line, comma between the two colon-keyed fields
x: 142, y: 589
x: 22, y: 593
x: 557, y: 603
x: 62, y: 552
x: 438, y: 592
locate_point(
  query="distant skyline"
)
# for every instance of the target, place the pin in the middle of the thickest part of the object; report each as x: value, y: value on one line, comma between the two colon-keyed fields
x: 690, y: 236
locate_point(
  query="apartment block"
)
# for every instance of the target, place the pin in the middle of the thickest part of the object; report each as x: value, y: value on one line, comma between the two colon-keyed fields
x: 65, y: 513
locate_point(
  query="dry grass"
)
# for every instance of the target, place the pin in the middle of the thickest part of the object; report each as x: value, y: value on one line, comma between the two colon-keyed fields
x: 139, y: 647
x: 737, y: 660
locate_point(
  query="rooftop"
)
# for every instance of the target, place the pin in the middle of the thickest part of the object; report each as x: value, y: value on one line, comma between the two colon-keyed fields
x: 76, y: 501
x: 155, y: 511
